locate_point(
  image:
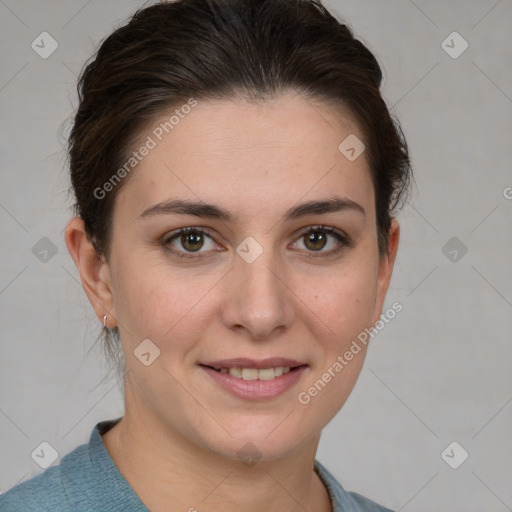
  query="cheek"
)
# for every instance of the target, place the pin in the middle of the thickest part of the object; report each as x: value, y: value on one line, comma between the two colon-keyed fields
x: 155, y: 302
x: 346, y: 304
x: 172, y: 305
x: 346, y: 310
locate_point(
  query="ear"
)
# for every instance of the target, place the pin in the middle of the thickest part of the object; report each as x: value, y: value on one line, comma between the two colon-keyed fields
x: 93, y: 269
x: 386, y: 263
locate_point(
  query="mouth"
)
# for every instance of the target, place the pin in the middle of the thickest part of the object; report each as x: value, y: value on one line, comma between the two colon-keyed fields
x: 255, y: 379
x: 255, y: 373
x: 255, y: 369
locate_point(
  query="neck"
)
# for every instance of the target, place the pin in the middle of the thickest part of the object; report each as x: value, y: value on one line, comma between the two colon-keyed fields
x: 163, y: 468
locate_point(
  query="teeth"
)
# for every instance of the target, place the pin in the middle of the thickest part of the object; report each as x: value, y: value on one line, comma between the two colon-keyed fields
x: 263, y: 374
x: 236, y: 372
x: 255, y: 374
x: 249, y: 373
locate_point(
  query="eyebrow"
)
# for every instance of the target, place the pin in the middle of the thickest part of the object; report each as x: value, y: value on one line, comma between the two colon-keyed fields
x: 211, y: 211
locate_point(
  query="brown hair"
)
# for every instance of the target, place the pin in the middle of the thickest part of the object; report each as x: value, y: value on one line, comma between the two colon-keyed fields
x: 218, y: 49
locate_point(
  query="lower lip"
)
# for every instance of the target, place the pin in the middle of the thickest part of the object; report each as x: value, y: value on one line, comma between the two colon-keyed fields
x: 256, y: 389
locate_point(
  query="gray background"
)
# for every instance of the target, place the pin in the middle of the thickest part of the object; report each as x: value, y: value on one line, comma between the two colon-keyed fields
x: 439, y: 372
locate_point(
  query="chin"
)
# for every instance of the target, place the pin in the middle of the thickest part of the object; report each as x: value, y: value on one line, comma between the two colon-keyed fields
x: 271, y: 439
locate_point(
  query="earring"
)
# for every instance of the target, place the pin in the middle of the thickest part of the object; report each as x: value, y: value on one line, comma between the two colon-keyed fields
x: 105, y: 320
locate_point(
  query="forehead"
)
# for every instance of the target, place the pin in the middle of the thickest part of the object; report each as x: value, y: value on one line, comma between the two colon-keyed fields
x: 248, y: 154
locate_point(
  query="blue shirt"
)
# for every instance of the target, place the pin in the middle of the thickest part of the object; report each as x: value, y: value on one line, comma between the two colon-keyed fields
x: 87, y: 479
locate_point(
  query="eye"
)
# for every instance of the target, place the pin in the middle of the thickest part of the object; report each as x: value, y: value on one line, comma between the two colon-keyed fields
x: 317, y: 238
x: 189, y: 240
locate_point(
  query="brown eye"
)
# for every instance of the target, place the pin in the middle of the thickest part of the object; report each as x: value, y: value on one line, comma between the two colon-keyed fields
x: 315, y: 241
x: 192, y: 241
x: 317, y: 238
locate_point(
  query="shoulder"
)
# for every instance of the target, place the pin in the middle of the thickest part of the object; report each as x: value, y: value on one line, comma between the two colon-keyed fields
x: 43, y: 492
x: 48, y: 491
x: 343, y: 500
x: 366, y: 504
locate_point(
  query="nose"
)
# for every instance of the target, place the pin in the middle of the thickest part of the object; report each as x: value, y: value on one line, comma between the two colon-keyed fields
x: 258, y: 300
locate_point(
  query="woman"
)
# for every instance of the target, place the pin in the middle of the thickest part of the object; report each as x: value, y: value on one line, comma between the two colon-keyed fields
x: 236, y: 175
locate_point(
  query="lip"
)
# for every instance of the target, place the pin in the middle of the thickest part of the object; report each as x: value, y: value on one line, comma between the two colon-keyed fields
x: 256, y: 389
x: 244, y: 362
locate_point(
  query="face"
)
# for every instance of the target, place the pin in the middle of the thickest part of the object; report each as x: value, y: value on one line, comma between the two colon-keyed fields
x: 278, y: 270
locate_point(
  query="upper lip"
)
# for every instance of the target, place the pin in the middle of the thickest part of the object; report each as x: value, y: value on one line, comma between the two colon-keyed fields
x: 244, y: 362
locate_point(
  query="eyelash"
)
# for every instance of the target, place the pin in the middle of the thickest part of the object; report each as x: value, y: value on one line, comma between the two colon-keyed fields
x: 343, y: 241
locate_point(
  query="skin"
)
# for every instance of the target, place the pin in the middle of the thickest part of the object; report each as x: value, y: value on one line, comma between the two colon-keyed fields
x: 181, y: 432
